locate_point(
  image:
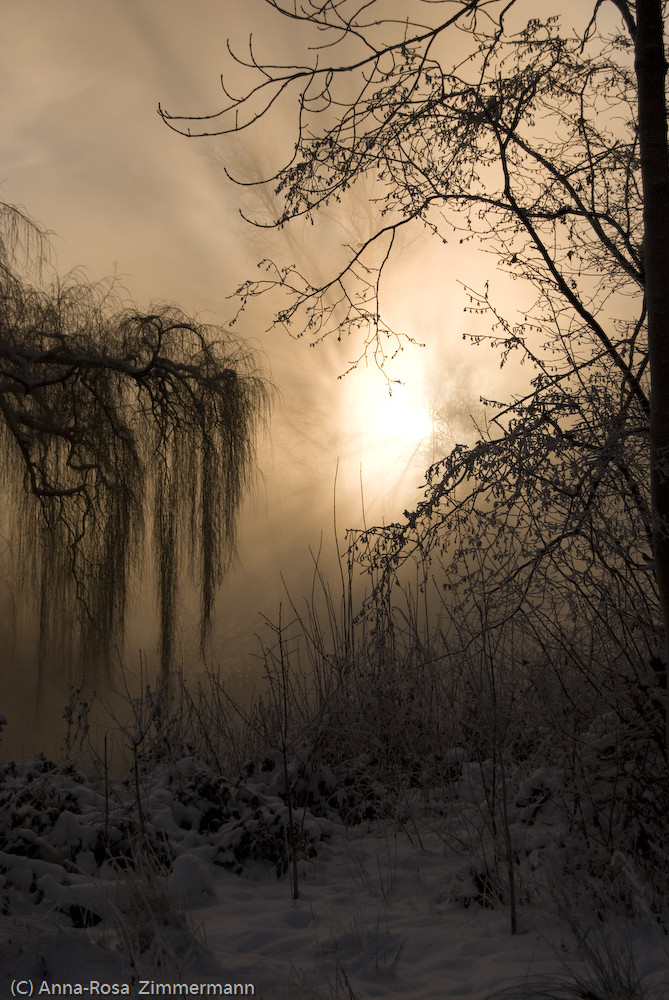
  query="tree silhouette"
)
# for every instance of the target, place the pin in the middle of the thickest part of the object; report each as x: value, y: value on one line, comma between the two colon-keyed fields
x: 116, y: 424
x: 549, y: 146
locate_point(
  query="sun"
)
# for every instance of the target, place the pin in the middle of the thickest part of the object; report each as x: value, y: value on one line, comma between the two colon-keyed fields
x: 399, y: 420
x: 385, y: 442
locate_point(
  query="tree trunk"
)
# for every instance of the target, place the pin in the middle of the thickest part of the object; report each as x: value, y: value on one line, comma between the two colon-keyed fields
x: 651, y: 68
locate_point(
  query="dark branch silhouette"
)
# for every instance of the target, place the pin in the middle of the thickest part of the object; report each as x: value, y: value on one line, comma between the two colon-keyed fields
x: 115, y: 423
x: 548, y: 146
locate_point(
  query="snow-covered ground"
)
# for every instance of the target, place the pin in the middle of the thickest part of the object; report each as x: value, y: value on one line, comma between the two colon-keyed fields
x: 183, y: 882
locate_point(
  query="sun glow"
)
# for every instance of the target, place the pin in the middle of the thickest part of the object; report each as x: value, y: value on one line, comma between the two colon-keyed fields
x: 399, y: 419
x: 386, y: 439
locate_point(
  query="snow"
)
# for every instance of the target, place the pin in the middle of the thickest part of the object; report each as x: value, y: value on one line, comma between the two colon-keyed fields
x: 193, y: 886
x: 190, y: 882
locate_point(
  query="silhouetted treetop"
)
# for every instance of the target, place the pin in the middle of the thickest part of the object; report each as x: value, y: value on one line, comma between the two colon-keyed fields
x: 116, y: 424
x: 540, y: 136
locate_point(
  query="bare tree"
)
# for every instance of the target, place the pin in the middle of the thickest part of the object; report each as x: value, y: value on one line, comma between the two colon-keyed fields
x: 480, y: 121
x: 116, y: 423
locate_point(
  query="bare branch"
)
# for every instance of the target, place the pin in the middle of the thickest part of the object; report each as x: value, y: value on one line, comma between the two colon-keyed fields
x: 113, y: 418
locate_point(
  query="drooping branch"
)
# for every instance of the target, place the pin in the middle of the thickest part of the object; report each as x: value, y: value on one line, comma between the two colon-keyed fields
x: 115, y: 422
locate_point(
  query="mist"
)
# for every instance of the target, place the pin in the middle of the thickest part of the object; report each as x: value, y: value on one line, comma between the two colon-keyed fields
x: 406, y: 703
x: 89, y: 158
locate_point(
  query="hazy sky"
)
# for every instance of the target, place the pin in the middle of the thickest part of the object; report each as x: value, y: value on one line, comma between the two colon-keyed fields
x: 85, y: 152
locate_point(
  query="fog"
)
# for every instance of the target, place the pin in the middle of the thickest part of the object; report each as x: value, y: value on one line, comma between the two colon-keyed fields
x: 85, y: 152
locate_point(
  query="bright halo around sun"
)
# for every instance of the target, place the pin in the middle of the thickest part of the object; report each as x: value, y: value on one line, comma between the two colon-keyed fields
x: 400, y: 420
x: 386, y: 441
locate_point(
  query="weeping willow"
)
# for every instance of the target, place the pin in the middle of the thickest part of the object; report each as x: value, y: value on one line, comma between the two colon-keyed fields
x: 120, y: 430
